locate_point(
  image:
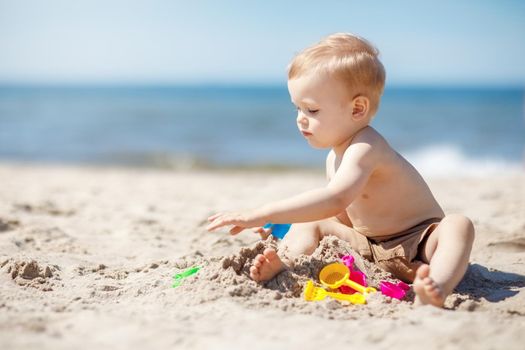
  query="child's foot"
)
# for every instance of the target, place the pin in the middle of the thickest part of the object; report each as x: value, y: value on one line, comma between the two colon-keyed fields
x: 266, y: 265
x: 427, y: 290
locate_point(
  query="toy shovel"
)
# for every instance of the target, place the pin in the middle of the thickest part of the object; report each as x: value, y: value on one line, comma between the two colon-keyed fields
x: 336, y: 275
x: 312, y: 293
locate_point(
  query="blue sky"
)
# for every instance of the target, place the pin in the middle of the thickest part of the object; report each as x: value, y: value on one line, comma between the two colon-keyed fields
x: 177, y: 42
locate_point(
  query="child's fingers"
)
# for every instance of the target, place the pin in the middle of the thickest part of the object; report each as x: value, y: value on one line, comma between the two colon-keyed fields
x: 221, y: 221
x: 215, y: 224
x: 224, y: 219
x: 236, y: 229
x: 258, y: 229
x: 261, y: 229
x: 265, y: 232
x: 214, y: 216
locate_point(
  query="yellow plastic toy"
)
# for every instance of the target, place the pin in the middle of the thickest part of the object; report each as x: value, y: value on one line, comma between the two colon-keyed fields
x: 312, y: 293
x: 336, y: 275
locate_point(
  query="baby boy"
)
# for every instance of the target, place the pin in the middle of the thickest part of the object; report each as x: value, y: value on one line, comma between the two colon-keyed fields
x: 374, y: 198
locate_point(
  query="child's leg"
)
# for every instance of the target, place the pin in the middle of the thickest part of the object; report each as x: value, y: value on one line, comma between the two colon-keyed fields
x: 302, y: 238
x: 447, y: 249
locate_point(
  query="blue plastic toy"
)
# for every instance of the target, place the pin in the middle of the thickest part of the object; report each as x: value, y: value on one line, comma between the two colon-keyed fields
x: 278, y: 230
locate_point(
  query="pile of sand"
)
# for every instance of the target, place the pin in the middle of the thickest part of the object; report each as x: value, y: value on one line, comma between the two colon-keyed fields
x: 226, y: 277
x: 30, y: 273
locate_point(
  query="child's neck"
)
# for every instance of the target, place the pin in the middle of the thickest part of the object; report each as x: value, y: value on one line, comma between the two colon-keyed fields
x: 340, y: 149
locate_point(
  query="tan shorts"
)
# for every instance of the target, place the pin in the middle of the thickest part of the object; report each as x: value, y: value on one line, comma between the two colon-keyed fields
x: 396, y: 253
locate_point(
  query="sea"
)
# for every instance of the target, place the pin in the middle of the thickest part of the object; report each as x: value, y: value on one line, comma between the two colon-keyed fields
x: 441, y: 130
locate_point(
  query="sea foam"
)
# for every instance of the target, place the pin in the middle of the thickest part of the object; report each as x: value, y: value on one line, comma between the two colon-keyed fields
x: 449, y: 160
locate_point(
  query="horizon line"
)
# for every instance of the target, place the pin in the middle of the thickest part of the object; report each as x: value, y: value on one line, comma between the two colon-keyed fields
x: 247, y: 84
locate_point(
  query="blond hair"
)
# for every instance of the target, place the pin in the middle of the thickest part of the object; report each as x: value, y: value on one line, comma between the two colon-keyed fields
x: 347, y: 57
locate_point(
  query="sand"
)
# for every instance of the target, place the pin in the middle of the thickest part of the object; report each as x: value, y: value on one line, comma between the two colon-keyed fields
x: 88, y: 255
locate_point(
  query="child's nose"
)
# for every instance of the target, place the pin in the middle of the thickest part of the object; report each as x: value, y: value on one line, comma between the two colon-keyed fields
x: 301, y: 118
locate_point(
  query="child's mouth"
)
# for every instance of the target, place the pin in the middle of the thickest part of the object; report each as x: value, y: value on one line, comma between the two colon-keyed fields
x: 306, y: 133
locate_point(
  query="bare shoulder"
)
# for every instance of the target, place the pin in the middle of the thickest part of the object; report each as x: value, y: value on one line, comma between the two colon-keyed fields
x: 330, y: 164
x: 367, y: 152
x: 330, y: 158
x: 369, y: 144
x: 370, y: 136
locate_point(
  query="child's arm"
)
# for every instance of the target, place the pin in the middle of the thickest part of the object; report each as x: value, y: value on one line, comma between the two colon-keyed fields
x: 358, y: 163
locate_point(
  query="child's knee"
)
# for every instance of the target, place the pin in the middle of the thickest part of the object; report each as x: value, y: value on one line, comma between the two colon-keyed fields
x: 302, y: 238
x: 462, y: 225
x: 305, y: 230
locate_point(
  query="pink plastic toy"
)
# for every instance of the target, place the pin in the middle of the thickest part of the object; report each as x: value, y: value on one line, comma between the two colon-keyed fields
x: 356, y: 276
x: 397, y: 291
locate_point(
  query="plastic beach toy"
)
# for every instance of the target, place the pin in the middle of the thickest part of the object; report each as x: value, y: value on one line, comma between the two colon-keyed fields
x: 278, y: 230
x: 348, y: 260
x: 336, y: 275
x: 177, y: 279
x: 312, y: 293
x: 356, y: 276
x: 397, y: 291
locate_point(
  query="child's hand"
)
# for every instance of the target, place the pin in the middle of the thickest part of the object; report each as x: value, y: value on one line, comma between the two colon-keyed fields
x: 263, y: 232
x: 240, y: 221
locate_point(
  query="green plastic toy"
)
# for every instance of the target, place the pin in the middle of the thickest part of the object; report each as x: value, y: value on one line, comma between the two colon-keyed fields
x: 177, y: 279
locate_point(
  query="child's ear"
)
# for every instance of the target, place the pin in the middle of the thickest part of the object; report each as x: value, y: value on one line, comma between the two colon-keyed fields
x: 360, y: 106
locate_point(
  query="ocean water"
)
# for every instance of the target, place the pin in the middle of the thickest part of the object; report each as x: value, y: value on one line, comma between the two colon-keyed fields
x: 440, y: 130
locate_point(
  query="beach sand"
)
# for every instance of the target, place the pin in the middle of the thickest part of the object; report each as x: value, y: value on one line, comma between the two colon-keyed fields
x: 87, y: 257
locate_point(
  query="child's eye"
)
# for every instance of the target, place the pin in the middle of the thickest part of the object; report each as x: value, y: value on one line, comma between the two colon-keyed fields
x: 310, y: 111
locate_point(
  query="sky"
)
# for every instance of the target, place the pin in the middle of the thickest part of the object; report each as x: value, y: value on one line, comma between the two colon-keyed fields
x: 478, y: 42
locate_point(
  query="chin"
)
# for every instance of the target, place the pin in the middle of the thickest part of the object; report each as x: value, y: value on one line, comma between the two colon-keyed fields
x: 317, y: 145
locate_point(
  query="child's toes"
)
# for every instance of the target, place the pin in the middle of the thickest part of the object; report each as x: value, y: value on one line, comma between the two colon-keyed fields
x: 434, y: 292
x: 429, y: 288
x: 427, y: 281
x: 260, y: 258
x: 270, y: 254
x: 254, y: 272
x: 423, y: 271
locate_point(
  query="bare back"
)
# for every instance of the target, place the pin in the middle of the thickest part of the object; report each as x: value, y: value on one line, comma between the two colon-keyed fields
x: 394, y: 198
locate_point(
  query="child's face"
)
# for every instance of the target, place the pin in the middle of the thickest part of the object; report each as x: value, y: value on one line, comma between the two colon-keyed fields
x: 324, y: 109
